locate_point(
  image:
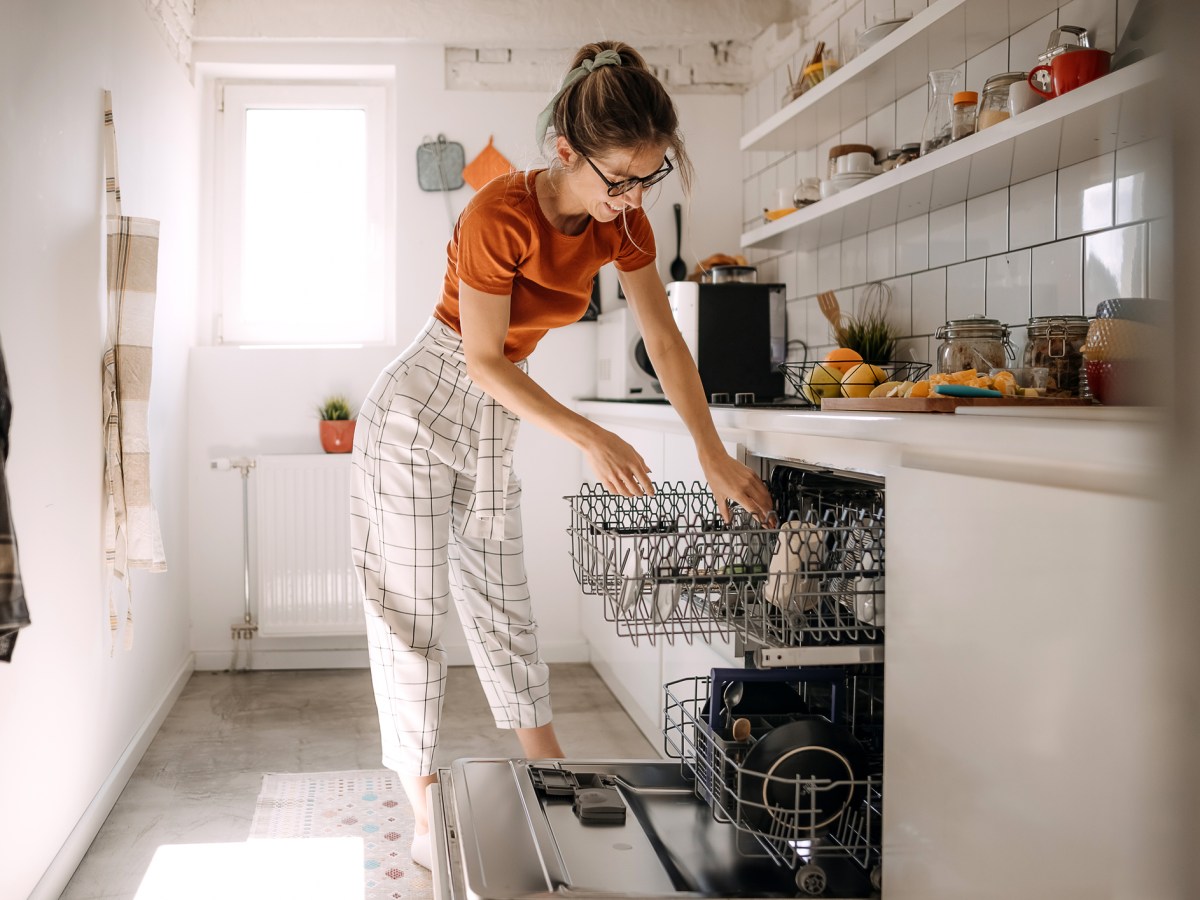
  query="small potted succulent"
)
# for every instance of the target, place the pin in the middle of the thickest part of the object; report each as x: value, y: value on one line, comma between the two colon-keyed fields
x: 337, y: 425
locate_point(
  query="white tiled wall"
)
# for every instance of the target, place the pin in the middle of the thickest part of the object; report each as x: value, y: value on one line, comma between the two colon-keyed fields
x: 1055, y: 244
x: 948, y: 235
x: 1031, y: 211
x: 1085, y: 194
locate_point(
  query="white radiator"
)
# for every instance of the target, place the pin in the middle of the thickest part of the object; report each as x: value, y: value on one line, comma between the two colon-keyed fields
x: 305, y: 579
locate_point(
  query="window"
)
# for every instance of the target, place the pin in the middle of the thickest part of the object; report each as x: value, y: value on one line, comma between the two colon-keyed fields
x: 302, y: 215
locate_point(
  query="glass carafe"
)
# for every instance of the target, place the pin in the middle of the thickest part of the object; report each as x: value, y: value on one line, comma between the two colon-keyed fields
x: 939, y: 121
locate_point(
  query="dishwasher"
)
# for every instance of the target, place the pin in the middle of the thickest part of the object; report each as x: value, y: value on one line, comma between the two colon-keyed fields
x: 773, y: 786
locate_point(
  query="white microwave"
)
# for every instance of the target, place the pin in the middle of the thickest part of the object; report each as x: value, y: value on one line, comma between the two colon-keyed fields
x: 623, y: 370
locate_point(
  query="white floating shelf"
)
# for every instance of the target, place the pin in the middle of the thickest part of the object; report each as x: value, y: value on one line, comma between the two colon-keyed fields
x: 1115, y: 111
x: 942, y: 36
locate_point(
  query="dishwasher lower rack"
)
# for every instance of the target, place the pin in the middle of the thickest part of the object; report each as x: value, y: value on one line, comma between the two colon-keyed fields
x: 794, y: 826
x: 667, y: 566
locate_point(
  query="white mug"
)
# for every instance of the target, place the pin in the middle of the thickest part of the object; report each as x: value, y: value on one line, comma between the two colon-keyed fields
x: 855, y: 162
x: 1022, y: 97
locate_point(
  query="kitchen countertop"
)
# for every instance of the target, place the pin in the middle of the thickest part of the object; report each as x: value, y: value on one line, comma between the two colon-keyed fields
x: 1113, y: 450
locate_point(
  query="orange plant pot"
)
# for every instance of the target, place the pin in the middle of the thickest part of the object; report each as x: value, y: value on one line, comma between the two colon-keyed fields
x: 337, y: 435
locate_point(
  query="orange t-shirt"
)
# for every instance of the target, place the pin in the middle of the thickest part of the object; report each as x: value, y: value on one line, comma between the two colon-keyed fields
x: 504, y: 245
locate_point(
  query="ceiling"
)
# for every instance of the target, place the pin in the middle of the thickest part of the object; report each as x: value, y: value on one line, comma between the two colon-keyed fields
x: 496, y: 23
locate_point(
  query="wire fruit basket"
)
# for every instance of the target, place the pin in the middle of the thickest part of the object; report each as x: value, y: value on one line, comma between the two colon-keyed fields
x: 816, y: 381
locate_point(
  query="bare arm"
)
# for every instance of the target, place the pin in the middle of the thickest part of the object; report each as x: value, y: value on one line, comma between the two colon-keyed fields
x: 673, y: 364
x: 484, y: 322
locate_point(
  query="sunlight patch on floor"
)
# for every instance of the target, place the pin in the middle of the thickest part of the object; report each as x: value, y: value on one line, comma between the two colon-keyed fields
x: 285, y: 869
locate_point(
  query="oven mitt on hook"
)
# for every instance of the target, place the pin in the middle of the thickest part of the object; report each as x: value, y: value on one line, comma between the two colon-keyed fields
x: 440, y: 165
x: 489, y: 164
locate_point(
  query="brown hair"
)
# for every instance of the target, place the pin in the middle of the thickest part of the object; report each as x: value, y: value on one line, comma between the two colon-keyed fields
x: 619, y: 108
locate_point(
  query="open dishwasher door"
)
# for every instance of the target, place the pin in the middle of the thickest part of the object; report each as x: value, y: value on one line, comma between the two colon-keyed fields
x: 499, y: 836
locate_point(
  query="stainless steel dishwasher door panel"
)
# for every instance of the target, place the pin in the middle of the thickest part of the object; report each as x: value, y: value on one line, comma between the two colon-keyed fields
x: 497, y: 853
x: 504, y: 841
x: 513, y: 843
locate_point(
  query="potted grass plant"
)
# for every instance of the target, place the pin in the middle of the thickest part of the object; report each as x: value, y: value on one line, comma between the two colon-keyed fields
x: 863, y: 358
x: 870, y: 333
x: 337, y: 425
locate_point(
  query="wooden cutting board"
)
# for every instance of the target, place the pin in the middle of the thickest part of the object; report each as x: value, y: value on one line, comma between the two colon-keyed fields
x: 941, y: 404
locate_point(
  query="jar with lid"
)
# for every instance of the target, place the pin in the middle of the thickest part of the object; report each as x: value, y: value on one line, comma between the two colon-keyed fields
x: 993, y: 105
x: 891, y: 160
x: 838, y: 151
x: 975, y: 342
x: 1056, y: 343
x: 963, y: 123
x: 807, y: 191
x: 908, y: 152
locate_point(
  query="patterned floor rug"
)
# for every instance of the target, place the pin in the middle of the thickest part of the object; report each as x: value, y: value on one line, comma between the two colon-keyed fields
x: 368, y: 804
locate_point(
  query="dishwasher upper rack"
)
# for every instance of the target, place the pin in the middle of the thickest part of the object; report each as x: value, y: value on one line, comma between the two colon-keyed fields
x: 667, y: 565
x: 720, y: 780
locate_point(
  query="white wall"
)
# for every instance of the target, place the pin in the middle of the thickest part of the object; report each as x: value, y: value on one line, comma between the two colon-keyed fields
x: 69, y: 709
x: 252, y: 401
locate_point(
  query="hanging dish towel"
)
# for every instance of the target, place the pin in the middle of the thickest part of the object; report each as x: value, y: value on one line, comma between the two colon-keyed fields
x: 131, y: 534
x: 14, y: 614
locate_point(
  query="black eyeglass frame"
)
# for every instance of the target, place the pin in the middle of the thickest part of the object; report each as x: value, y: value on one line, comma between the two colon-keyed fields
x: 617, y: 188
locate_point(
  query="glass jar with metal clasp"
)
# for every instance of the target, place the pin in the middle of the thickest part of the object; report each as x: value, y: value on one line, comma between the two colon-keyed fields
x: 975, y: 342
x: 993, y: 104
x: 1056, y: 342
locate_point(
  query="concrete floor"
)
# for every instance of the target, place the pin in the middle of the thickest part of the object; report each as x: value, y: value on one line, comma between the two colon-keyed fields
x: 199, y: 779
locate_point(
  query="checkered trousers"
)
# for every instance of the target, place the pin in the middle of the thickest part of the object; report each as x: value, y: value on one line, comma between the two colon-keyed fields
x: 415, y: 510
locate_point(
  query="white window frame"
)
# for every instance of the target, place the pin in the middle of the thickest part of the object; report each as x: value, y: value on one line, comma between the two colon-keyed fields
x: 234, y: 100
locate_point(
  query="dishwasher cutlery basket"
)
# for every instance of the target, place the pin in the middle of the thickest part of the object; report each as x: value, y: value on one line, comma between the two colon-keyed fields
x: 667, y: 566
x: 797, y: 822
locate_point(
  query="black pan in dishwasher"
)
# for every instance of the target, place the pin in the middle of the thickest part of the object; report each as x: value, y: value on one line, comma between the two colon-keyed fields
x: 508, y: 829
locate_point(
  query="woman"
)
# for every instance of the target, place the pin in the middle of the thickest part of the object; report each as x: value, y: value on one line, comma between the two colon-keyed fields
x: 434, y: 506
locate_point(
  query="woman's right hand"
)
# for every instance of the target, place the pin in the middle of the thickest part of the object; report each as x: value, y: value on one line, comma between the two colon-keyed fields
x: 619, y: 467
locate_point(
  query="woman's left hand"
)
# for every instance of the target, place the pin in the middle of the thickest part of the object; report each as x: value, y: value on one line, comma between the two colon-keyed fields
x: 729, y: 480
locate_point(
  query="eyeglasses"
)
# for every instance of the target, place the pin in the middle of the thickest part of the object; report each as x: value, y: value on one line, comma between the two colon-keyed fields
x: 617, y: 188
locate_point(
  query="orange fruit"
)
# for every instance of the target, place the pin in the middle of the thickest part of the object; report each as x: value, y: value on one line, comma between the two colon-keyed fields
x: 843, y: 359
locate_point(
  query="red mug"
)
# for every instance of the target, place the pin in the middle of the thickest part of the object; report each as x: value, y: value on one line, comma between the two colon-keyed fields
x: 1071, y: 69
